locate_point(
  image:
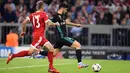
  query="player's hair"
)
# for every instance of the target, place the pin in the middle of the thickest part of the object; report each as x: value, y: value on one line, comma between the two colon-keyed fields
x: 63, y: 5
x: 39, y: 4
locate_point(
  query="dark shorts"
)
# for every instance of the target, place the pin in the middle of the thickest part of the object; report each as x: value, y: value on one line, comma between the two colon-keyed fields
x: 64, y: 41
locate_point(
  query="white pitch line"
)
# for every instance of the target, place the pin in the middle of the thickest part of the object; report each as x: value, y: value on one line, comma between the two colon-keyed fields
x: 18, y: 67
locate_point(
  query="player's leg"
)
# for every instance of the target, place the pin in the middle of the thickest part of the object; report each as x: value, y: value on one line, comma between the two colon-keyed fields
x: 50, y: 48
x: 45, y: 53
x: 50, y: 53
x: 57, y: 47
x: 35, y: 43
x: 75, y: 45
x: 20, y: 54
x: 56, y: 50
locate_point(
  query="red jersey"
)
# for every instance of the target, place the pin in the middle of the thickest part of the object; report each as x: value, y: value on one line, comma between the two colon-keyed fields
x: 38, y: 20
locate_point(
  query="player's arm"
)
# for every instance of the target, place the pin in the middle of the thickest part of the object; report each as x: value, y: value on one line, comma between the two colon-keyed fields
x: 68, y: 22
x: 50, y: 23
x: 24, y: 27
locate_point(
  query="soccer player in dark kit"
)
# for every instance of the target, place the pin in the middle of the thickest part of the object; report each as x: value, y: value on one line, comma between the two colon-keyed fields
x: 62, y: 38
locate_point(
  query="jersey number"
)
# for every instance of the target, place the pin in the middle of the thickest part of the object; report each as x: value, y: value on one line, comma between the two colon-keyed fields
x: 36, y: 19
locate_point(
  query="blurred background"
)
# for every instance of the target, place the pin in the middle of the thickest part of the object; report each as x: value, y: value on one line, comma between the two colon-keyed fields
x: 105, y: 33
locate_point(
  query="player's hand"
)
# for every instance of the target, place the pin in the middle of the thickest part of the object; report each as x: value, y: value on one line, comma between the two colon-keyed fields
x: 79, y: 25
x: 57, y: 24
x: 22, y: 34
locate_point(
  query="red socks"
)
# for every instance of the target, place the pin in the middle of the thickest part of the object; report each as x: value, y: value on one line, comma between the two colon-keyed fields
x: 50, y: 59
x: 25, y: 53
x: 21, y: 54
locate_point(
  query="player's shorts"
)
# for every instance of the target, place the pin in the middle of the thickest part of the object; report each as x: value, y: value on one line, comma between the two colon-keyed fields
x: 38, y: 41
x: 64, y: 41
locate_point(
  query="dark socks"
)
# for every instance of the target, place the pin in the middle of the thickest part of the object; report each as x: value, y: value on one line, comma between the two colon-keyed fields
x: 79, y: 55
x: 44, y: 53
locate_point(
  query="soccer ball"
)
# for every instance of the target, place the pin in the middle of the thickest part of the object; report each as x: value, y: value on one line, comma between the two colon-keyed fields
x: 96, y: 67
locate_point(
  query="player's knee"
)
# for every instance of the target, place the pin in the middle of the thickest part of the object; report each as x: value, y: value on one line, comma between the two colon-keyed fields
x: 31, y: 51
x: 77, y: 45
x: 51, y: 49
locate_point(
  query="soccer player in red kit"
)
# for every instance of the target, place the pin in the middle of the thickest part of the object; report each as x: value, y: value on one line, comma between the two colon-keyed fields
x: 39, y: 20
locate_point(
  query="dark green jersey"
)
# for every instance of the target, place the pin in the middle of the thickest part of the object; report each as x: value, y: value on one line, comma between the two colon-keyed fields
x: 60, y: 30
x: 61, y: 35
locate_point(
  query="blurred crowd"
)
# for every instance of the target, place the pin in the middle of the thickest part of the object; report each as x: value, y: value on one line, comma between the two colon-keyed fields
x: 85, y: 12
x: 91, y: 12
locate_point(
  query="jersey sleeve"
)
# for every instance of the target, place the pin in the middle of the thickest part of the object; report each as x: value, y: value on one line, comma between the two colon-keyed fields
x: 29, y: 17
x: 46, y: 18
x: 54, y: 19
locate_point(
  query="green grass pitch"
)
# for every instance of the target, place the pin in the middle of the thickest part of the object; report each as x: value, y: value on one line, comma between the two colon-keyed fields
x: 22, y: 65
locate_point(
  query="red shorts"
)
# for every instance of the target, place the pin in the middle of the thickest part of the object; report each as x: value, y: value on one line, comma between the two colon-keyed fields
x: 38, y: 41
